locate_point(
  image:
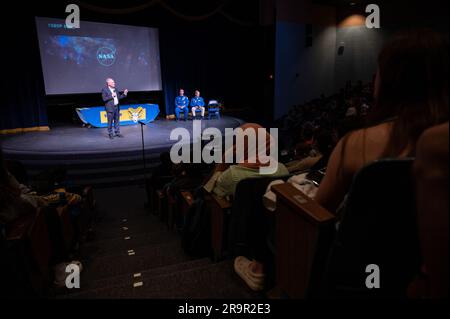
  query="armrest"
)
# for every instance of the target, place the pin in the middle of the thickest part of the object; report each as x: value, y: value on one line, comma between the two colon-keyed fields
x: 304, y: 232
x: 302, y: 204
x: 298, y: 172
x: 222, y: 202
x: 218, y: 209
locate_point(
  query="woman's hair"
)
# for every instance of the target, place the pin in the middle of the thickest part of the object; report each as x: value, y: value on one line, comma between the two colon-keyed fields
x: 412, y: 87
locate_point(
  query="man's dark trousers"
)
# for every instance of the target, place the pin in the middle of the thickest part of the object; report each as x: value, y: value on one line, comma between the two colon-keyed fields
x: 114, y: 117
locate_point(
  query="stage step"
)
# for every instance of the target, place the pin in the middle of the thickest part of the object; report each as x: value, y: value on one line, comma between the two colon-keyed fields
x: 212, y: 281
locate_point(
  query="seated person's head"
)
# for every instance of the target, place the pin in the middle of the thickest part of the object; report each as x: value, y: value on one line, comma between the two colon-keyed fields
x: 18, y: 170
x: 251, y: 156
x: 307, y: 132
x: 411, y: 86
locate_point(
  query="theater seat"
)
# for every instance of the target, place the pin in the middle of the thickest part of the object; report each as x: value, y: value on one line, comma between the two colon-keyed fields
x: 213, y: 109
x: 378, y: 227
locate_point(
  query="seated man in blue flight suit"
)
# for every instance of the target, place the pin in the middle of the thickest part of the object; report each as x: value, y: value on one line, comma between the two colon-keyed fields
x: 181, y: 105
x: 197, y: 103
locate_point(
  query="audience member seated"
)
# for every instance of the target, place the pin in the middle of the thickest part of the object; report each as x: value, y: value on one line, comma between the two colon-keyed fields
x: 226, y: 181
x: 411, y: 95
x: 431, y: 172
x: 17, y: 200
x: 231, y: 175
x: 325, y: 114
x: 59, y: 196
x: 187, y: 177
x: 316, y: 156
x: 18, y: 170
x: 12, y: 204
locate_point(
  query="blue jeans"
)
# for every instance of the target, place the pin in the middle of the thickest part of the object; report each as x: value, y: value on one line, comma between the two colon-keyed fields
x: 114, y: 117
x: 184, y: 110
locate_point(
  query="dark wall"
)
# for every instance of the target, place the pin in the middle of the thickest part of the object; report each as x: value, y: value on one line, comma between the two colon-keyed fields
x: 305, y: 53
x: 361, y: 46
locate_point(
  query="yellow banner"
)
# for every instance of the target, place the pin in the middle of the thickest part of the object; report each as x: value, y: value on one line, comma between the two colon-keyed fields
x: 127, y: 115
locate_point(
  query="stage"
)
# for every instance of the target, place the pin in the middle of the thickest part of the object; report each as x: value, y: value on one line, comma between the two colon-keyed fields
x: 91, y: 157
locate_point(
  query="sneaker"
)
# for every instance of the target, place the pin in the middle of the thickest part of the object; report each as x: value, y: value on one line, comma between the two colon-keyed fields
x: 111, y: 137
x: 242, y: 267
x: 119, y: 135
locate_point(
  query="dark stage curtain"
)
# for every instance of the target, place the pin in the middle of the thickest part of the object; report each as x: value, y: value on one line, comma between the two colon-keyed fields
x: 23, y: 95
x: 224, y: 64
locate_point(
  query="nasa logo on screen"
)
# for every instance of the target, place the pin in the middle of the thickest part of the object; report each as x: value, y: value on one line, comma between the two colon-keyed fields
x: 106, y: 56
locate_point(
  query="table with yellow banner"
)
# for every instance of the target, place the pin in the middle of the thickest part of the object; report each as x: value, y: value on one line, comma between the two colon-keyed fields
x: 129, y: 114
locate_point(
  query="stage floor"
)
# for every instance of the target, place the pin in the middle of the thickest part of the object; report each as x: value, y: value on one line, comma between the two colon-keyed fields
x: 78, y: 141
x: 89, y: 151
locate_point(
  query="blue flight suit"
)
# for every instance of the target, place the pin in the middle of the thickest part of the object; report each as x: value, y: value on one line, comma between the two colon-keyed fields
x: 197, y: 102
x: 181, y: 105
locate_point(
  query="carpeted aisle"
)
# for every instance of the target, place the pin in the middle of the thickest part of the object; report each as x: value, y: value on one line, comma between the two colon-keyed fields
x: 133, y: 255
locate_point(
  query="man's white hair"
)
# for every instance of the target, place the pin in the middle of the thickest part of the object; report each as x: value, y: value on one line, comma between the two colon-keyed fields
x: 109, y: 80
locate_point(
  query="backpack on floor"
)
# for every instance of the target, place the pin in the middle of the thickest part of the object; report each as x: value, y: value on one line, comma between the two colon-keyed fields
x: 196, y: 235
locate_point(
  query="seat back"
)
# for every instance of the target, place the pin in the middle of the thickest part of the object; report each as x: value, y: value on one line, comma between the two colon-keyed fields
x: 378, y: 227
x: 247, y: 211
x: 213, y: 109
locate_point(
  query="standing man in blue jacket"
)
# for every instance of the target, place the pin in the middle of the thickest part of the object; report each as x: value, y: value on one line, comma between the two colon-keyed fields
x: 197, y: 103
x: 111, y: 97
x: 181, y: 105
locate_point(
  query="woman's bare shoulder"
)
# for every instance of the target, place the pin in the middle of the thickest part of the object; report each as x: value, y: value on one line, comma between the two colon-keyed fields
x: 365, y: 145
x: 377, y: 134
